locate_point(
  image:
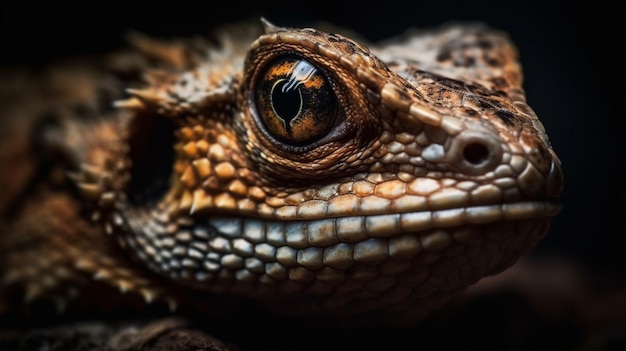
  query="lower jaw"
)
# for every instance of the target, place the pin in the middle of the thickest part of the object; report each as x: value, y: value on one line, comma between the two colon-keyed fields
x: 406, y: 263
x: 401, y: 287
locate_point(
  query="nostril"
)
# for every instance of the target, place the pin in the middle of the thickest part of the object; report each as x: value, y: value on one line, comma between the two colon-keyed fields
x: 476, y: 153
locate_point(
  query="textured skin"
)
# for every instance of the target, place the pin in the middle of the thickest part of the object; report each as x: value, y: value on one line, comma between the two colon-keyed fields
x: 413, y: 169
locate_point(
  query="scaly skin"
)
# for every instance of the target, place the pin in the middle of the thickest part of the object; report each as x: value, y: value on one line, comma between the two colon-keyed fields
x: 300, y: 169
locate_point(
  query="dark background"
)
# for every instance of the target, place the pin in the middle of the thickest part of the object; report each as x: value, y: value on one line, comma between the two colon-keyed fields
x: 571, y: 52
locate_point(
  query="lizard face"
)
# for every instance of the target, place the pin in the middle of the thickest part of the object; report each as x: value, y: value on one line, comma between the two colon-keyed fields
x: 323, y: 176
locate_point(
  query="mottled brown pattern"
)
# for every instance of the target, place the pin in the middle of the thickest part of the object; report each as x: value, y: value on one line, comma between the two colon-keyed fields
x: 432, y: 173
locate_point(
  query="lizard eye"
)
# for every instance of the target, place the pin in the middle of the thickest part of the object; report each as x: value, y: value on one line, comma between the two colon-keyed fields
x: 295, y: 101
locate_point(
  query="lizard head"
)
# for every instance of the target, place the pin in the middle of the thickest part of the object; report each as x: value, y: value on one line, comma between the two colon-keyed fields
x: 323, y: 176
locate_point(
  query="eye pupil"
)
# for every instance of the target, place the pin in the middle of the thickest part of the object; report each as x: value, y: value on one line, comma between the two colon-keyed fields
x: 295, y: 101
x: 286, y: 102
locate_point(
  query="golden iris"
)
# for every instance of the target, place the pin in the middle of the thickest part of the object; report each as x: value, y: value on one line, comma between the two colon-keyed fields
x: 295, y: 101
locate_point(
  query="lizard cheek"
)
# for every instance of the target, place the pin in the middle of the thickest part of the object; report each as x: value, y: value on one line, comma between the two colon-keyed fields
x: 295, y: 102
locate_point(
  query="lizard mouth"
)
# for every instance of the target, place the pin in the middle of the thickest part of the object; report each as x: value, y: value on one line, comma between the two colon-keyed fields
x: 325, y: 232
x: 388, y: 224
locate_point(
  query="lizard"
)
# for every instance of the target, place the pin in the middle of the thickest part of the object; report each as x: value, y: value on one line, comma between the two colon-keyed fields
x: 306, y: 171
